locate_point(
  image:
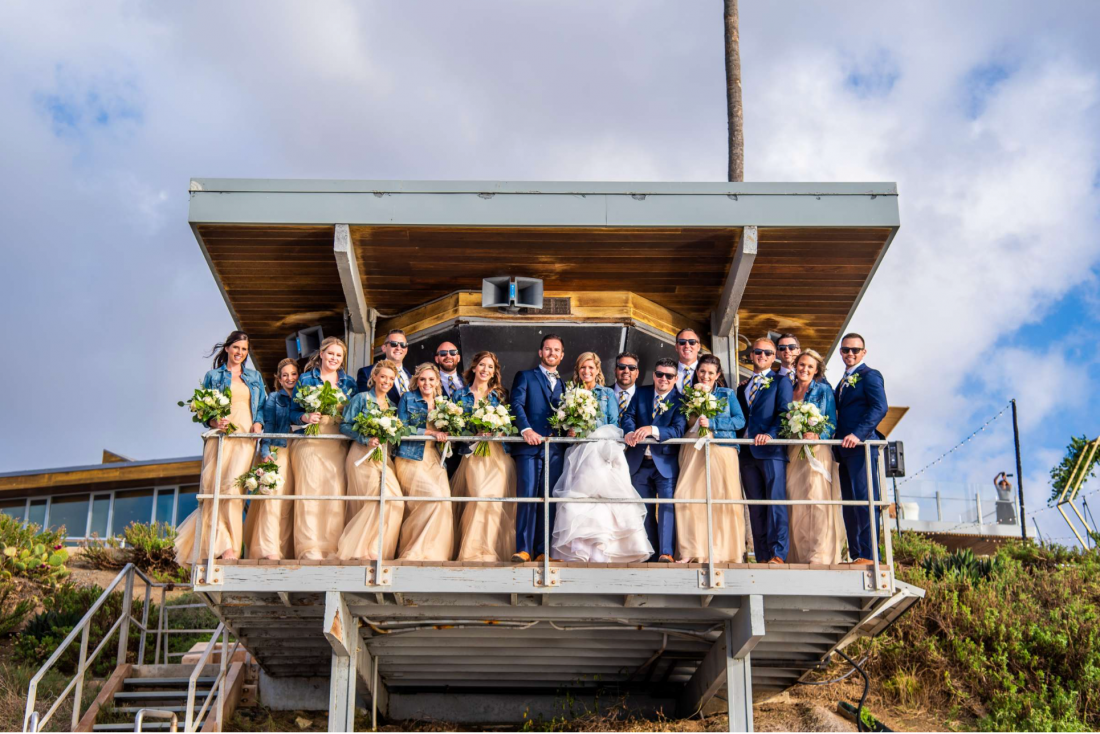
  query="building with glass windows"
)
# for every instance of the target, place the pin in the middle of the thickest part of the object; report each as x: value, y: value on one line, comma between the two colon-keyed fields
x: 102, y: 499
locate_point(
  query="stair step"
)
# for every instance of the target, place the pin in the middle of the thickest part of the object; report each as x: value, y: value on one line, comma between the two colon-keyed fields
x: 157, y: 695
x: 147, y: 725
x: 135, y: 709
x: 147, y: 682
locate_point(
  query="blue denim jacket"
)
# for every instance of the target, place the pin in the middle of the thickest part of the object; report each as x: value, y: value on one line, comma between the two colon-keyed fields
x: 313, y: 377
x: 609, y: 407
x: 276, y: 419
x: 728, y: 422
x: 464, y: 396
x: 413, y: 412
x: 361, y: 403
x: 821, y: 395
x: 222, y: 379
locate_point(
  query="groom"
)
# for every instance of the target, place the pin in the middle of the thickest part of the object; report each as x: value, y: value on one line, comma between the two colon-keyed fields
x: 654, y: 412
x: 534, y: 395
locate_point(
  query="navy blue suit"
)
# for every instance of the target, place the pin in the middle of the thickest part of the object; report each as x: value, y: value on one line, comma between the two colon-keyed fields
x: 532, y: 405
x: 859, y: 409
x: 763, y: 468
x: 656, y: 478
x: 362, y: 380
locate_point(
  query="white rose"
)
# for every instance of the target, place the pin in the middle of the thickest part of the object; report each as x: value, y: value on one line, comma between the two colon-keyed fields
x: 251, y: 483
x: 813, y: 421
x: 385, y: 422
x: 561, y: 415
x: 270, y: 479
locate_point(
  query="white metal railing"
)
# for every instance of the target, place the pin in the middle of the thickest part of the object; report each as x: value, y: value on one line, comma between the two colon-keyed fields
x: 217, y: 497
x: 192, y: 719
x: 157, y: 714
x: 32, y: 720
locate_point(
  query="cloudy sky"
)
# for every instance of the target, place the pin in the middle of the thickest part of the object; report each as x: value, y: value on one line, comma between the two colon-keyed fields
x: 986, y: 114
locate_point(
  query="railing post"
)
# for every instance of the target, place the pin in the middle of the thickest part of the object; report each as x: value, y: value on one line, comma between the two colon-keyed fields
x: 381, y: 517
x: 160, y: 626
x: 144, y: 625
x: 872, y: 507
x: 710, y: 519
x: 124, y: 628
x: 546, y: 512
x: 221, y: 683
x: 887, y: 538
x: 214, y: 510
x: 78, y: 694
x: 939, y: 507
x: 978, y: 501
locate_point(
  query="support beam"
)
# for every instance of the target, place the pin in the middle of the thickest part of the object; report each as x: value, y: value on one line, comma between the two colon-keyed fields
x: 722, y: 321
x: 342, y: 631
x: 360, y: 332
x: 727, y: 665
x: 380, y: 698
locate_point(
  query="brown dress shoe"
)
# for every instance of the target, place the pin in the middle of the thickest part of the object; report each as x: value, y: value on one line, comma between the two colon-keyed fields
x: 777, y: 560
x: 521, y: 557
x: 542, y: 556
x: 666, y: 558
x: 863, y: 562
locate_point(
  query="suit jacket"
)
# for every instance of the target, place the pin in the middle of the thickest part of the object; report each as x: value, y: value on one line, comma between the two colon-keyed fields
x: 860, y: 407
x: 670, y: 424
x: 532, y: 405
x: 362, y: 380
x: 765, y: 414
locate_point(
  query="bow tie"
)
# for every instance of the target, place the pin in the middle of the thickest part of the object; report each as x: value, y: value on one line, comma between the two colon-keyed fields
x: 552, y: 374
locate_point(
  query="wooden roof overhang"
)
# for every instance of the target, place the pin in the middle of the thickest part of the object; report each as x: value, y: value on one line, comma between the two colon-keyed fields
x: 102, y: 477
x: 274, y: 249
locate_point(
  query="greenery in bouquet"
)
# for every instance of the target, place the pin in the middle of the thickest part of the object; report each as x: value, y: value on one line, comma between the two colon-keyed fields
x: 207, y: 405
x: 324, y: 399
x: 578, y: 411
x: 383, y: 425
x: 486, y: 418
x: 264, y: 478
x: 802, y: 417
x: 698, y: 403
x: 449, y: 417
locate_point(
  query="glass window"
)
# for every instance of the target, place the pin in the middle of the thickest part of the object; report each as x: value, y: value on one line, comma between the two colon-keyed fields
x: 70, y: 512
x: 14, y: 508
x: 165, y: 500
x: 101, y: 508
x: 187, y: 503
x: 37, y: 514
x: 131, y: 506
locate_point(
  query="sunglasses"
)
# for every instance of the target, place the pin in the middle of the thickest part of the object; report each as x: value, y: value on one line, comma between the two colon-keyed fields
x: 766, y: 352
x: 851, y: 350
x: 445, y: 352
x: 787, y: 347
x: 682, y: 342
x: 665, y: 375
x: 398, y: 345
x: 627, y: 367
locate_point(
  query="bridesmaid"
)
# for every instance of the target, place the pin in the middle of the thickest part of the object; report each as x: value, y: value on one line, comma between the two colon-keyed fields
x: 588, y: 372
x: 269, y: 524
x: 319, y: 463
x: 359, y: 540
x: 247, y: 396
x: 427, y: 533
x: 728, y: 521
x: 487, y: 530
x: 817, y: 531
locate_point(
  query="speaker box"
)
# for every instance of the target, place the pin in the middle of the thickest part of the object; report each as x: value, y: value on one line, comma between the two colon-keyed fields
x: 304, y: 343
x: 895, y: 459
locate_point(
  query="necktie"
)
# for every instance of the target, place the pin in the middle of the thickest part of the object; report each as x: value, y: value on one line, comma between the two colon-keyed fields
x: 402, y: 382
x: 685, y: 377
x: 624, y: 400
x: 753, y: 389
x: 656, y: 404
x: 451, y: 386
x: 843, y: 384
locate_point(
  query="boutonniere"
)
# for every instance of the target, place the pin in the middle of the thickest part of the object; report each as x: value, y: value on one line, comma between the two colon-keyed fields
x: 765, y: 383
x: 852, y: 380
x: 663, y: 406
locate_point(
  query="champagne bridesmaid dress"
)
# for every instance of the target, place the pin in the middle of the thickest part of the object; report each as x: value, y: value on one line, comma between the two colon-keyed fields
x: 427, y: 533
x: 816, y: 531
x: 486, y: 530
x: 269, y: 525
x: 728, y: 521
x: 319, y: 470
x: 237, y: 456
x: 359, y: 540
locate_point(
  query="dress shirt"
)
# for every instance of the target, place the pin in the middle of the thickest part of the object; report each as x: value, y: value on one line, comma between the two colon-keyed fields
x: 452, y: 378
x: 684, y: 373
x: 552, y: 380
x: 752, y: 382
x: 397, y: 382
x: 656, y: 431
x: 629, y: 394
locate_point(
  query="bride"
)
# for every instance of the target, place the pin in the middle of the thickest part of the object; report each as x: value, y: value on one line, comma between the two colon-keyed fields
x: 589, y: 531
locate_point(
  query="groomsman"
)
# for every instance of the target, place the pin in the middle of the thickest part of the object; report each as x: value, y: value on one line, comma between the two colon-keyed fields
x: 763, y: 398
x: 788, y: 348
x: 626, y: 377
x: 394, y: 348
x: 534, y: 395
x: 687, y: 349
x: 654, y: 412
x: 860, y: 407
x: 449, y: 360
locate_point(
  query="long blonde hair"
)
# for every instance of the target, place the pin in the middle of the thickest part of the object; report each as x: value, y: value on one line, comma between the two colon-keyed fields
x: 584, y: 357
x: 424, y: 368
x: 315, y: 361
x: 819, y: 375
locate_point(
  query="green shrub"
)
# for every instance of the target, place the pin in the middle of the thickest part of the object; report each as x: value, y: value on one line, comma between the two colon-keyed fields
x: 11, y: 618
x: 105, y: 555
x: 911, y: 548
x: 31, y: 554
x: 152, y: 548
x: 964, y: 564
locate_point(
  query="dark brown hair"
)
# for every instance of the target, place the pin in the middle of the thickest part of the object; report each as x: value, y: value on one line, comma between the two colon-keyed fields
x: 220, y: 351
x: 711, y: 359
x: 494, y: 382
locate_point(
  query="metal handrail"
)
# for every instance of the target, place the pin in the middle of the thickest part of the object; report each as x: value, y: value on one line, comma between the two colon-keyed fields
x: 192, y: 719
x: 546, y: 500
x: 157, y: 714
x: 32, y: 720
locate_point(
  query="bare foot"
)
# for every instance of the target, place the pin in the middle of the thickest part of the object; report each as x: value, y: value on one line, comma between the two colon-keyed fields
x: 271, y: 558
x: 229, y: 555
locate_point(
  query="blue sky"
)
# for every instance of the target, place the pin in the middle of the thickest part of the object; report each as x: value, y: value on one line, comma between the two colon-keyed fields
x: 989, y: 129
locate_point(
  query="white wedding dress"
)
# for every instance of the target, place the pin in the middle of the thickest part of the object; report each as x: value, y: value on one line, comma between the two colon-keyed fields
x: 597, y: 532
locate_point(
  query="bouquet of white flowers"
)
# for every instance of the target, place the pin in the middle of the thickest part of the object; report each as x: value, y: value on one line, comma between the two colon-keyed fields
x: 801, y: 417
x: 263, y: 479
x: 449, y: 417
x: 578, y: 411
x: 207, y: 405
x: 324, y: 399
x: 495, y: 420
x: 699, y: 402
x: 383, y: 425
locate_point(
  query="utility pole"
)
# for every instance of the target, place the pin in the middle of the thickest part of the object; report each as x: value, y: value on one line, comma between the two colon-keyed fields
x: 1019, y: 471
x: 735, y: 117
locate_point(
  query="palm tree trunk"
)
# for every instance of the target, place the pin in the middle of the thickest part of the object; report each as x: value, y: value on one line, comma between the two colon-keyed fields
x: 734, y: 114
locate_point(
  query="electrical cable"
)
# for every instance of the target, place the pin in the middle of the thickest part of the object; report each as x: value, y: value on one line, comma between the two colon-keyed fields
x: 834, y: 680
x: 956, y: 447
x: 866, y: 689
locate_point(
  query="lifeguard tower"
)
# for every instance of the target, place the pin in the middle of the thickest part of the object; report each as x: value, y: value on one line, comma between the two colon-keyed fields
x: 623, y: 266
